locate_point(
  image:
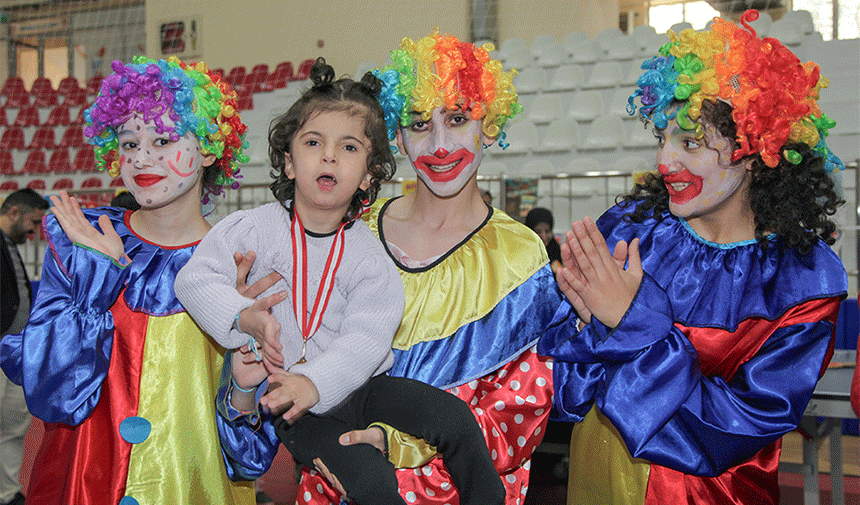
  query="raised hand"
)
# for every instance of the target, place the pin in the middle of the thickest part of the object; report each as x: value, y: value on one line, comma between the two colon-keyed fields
x: 79, y: 230
x: 597, y: 277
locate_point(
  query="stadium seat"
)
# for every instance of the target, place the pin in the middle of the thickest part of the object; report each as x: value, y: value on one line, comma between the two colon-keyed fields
x: 606, y: 132
x: 552, y: 55
x: 304, y: 71
x: 520, y: 59
x: 640, y: 136
x: 3, y: 121
x: 254, y: 81
x: 282, y: 75
x: 582, y: 165
x: 37, y: 184
x: 522, y: 137
x: 59, y: 162
x: 7, y: 164
x: 583, y: 51
x: 116, y: 183
x: 44, y: 95
x: 13, y: 84
x: 79, y: 118
x: 68, y: 85
x: 544, y: 109
x: 13, y: 138
x: 679, y: 27
x: 509, y: 45
x: 541, y: 41
x: 236, y: 76
x: 73, y: 137
x: 621, y: 48
x: 605, y: 74
x: 59, y: 116
x: 762, y: 24
x: 561, y: 135
x: 9, y: 186
x: 802, y: 17
x: 43, y: 138
x: 642, y: 37
x: 217, y: 71
x: 567, y: 78
x: 586, y: 105
x: 92, y: 182
x: 94, y: 84
x: 27, y: 116
x: 85, y: 160
x: 788, y: 32
x: 77, y: 96
x: 35, y: 163
x: 245, y: 102
x: 530, y: 80
x: 534, y: 168
x: 17, y: 99
x: 64, y: 183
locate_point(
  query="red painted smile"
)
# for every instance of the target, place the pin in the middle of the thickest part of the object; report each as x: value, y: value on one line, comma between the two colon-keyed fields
x: 144, y: 180
x: 683, y: 186
x: 445, y: 169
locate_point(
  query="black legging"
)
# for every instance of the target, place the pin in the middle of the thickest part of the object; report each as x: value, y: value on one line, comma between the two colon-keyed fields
x: 440, y: 418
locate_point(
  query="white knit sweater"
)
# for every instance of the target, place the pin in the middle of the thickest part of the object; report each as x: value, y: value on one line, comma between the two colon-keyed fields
x: 352, y: 344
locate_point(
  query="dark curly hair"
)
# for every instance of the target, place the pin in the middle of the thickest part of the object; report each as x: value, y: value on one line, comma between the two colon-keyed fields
x: 793, y: 201
x: 330, y: 95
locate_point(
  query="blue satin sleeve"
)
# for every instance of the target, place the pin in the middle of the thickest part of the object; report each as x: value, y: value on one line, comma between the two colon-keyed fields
x: 667, y: 412
x: 64, y: 353
x: 248, y: 441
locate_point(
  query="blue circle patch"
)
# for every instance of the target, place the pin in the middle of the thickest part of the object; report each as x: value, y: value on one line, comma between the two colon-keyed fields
x: 134, y: 430
x: 128, y: 500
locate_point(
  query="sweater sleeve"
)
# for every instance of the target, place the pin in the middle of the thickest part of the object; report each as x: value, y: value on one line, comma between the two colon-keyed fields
x: 363, y: 342
x: 651, y: 387
x: 206, y: 285
x: 63, y: 356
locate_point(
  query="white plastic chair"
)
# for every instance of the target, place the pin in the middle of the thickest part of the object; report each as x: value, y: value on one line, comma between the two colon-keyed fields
x: 530, y: 80
x: 679, y: 27
x: 508, y: 45
x: 573, y: 37
x: 632, y: 72
x: 606, y: 132
x: 640, y: 136
x: 561, y: 135
x: 493, y: 167
x: 605, y: 74
x: 621, y: 48
x: 552, y: 55
x: 787, y: 31
x: 803, y: 19
x: 582, y: 165
x: 537, y: 168
x: 544, y: 109
x: 567, y: 78
x: 540, y: 42
x: 586, y: 105
x: 762, y: 24
x: 631, y: 164
x: 606, y: 39
x: 618, y: 103
x: 583, y: 51
x: 522, y: 137
x: 519, y: 58
x: 642, y: 37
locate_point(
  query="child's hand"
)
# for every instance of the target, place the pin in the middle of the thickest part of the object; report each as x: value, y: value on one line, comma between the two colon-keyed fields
x: 258, y: 321
x: 247, y: 371
x: 598, y: 278
x: 292, y: 392
x: 79, y: 230
x: 243, y: 267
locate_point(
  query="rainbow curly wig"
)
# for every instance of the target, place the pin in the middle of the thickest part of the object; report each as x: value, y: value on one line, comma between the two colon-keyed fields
x: 773, y: 95
x: 193, y: 97
x: 441, y: 70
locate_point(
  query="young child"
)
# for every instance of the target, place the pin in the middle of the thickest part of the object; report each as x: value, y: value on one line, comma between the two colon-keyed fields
x: 329, y: 151
x: 122, y: 377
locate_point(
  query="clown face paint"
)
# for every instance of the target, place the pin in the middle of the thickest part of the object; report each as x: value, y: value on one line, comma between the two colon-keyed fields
x: 698, y: 172
x: 154, y: 168
x: 445, y: 150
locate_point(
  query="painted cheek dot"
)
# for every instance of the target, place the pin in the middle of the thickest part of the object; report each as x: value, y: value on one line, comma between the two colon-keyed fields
x: 134, y: 429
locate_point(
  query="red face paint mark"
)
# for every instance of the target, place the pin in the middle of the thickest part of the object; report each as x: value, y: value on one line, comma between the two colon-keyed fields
x: 177, y: 172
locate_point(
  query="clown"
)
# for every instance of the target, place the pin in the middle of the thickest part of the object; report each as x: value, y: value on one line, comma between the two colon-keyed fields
x: 122, y: 377
x: 478, y: 286
x: 689, y: 365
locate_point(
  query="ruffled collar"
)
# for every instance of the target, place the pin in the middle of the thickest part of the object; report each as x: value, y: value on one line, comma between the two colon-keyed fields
x: 719, y: 285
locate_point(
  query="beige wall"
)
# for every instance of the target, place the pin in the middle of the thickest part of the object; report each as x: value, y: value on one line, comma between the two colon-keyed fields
x: 353, y: 32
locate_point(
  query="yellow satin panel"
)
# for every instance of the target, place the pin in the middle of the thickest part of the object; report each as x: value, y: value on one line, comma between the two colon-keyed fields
x: 406, y: 451
x: 181, y: 459
x: 469, y: 282
x: 601, y: 469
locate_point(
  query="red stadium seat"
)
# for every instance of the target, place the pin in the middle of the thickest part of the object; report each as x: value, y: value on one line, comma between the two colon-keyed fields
x: 27, y: 116
x: 17, y: 99
x: 218, y: 71
x: 68, y: 85
x: 7, y: 164
x: 79, y: 118
x: 94, y: 84
x: 59, y: 116
x: 64, y: 183
x: 43, y: 138
x: 304, y: 71
x: 245, y: 102
x: 37, y: 184
x: 77, y: 96
x: 117, y: 183
x: 40, y: 85
x: 35, y: 163
x: 236, y: 77
x: 59, y: 162
x: 254, y: 81
x: 9, y: 186
x: 13, y: 84
x: 92, y: 182
x: 13, y: 138
x: 85, y: 160
x: 282, y: 75
x: 3, y: 121
x: 44, y: 97
x: 73, y: 137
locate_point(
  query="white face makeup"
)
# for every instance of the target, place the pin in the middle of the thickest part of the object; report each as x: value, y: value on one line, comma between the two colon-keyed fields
x: 155, y: 169
x: 445, y: 150
x: 698, y: 172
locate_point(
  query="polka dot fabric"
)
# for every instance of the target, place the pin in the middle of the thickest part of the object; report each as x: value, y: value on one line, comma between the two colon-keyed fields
x: 512, y: 406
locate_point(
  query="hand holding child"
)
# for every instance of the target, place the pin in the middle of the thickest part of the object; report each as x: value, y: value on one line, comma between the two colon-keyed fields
x: 257, y: 320
x: 595, y: 281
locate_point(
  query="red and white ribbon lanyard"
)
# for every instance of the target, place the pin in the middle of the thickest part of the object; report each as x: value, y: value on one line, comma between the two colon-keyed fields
x: 309, y: 323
